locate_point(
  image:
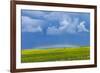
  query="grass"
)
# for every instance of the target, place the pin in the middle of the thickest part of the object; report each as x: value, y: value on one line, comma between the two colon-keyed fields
x: 55, y: 54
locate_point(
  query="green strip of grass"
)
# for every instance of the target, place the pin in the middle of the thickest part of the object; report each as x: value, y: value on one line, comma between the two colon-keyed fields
x: 55, y: 54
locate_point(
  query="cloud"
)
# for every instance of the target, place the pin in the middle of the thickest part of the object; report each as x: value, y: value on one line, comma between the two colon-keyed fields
x: 81, y: 27
x: 33, y: 13
x: 53, y: 31
x: 68, y: 25
x: 53, y: 16
x: 31, y: 25
x: 54, y: 23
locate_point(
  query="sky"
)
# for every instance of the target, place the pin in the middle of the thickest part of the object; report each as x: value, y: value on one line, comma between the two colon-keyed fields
x: 45, y: 29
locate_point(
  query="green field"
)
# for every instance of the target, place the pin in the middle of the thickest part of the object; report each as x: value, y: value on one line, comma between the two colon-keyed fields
x: 55, y: 54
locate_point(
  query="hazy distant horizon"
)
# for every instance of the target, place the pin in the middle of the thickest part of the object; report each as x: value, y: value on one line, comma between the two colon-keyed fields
x: 55, y: 46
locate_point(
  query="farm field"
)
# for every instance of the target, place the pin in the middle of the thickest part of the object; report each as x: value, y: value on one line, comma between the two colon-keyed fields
x: 55, y: 54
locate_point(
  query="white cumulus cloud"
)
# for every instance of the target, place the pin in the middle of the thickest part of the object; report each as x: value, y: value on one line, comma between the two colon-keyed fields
x: 37, y: 21
x: 68, y: 25
x: 31, y: 25
x: 81, y: 27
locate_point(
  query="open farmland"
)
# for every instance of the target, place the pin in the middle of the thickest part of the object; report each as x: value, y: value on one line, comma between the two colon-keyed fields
x: 55, y: 54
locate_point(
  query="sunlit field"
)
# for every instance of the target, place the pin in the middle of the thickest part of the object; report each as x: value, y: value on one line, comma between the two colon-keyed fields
x: 55, y: 54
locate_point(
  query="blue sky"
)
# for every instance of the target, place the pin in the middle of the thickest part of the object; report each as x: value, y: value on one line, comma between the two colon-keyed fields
x: 50, y: 28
